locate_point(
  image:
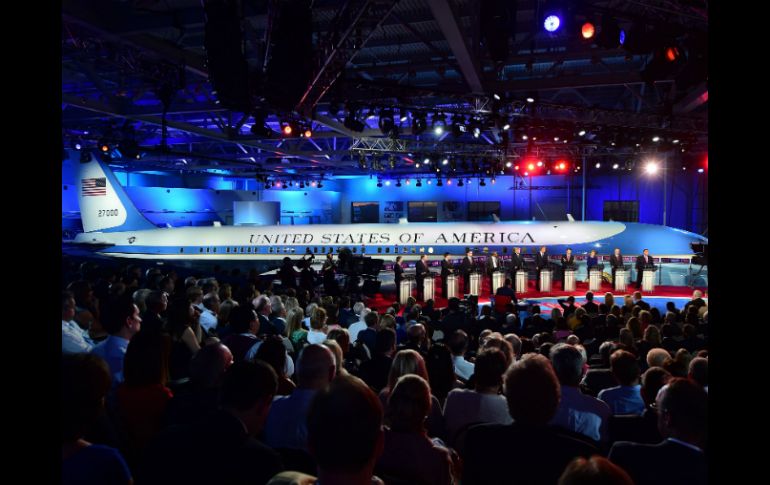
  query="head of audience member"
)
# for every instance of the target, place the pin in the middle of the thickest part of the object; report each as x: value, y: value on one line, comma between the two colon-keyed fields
x: 212, y: 302
x: 657, y: 356
x: 624, y: 367
x: 594, y: 471
x: 406, y: 361
x: 262, y: 305
x: 652, y: 380
x: 699, y: 370
x: 372, y: 319
x: 85, y: 381
x: 535, y: 310
x: 120, y: 317
x: 388, y: 321
x: 208, y: 366
x: 342, y: 337
x: 556, y: 314
x: 146, y: 361
x: 277, y: 307
x: 339, y: 359
x: 615, y: 311
x: 511, y: 320
x: 458, y: 343
x: 682, y: 407
x: 626, y: 337
x: 416, y: 335
x: 635, y: 326
x: 247, y: 392
x: 273, y: 352
x: 489, y: 369
x: 316, y: 367
x: 527, y: 347
x: 652, y: 336
x: 408, y: 404
x: 156, y: 302
x: 675, y: 367
x: 67, y: 306
x: 318, y: 319
x: 294, y: 321
x: 545, y: 349
x: 345, y: 454
x: 635, y: 311
x: 385, y: 342
x: 573, y: 339
x: 140, y: 297
x: 194, y: 295
x: 496, y: 341
x: 515, y: 342
x: 568, y: 364
x: 441, y: 372
x: 244, y: 320
x: 532, y: 390
x: 603, y: 309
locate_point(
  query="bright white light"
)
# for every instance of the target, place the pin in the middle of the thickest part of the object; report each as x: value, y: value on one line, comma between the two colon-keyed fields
x: 476, y: 132
x: 530, y: 100
x: 526, y: 173
x: 675, y: 141
x: 655, y: 138
x: 416, y: 165
x: 651, y: 168
x: 444, y: 161
x: 539, y: 164
x: 598, y: 165
x: 508, y: 164
x: 439, y: 130
x: 404, y: 118
x: 615, y: 166
x: 426, y: 161
x: 700, y: 170
x: 556, y: 138
x: 387, y: 182
x: 496, y: 96
x: 507, y: 126
x: 524, y: 137
x: 582, y: 132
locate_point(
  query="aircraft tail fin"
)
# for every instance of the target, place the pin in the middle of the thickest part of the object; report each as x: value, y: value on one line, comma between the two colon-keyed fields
x: 495, y: 219
x: 104, y: 204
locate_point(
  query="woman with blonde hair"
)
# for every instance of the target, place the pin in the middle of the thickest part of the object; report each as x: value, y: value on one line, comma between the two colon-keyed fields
x: 609, y: 299
x: 317, y: 332
x: 294, y: 329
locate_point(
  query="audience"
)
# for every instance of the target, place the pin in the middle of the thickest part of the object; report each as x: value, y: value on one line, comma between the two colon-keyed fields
x: 625, y: 398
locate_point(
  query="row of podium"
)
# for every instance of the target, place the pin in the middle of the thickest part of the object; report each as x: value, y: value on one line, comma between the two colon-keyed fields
x: 521, y: 284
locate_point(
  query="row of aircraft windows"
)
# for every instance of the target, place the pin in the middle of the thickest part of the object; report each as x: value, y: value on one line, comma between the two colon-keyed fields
x: 315, y: 250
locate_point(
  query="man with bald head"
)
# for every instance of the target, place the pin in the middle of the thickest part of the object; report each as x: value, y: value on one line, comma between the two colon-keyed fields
x: 415, y: 339
x: 287, y: 422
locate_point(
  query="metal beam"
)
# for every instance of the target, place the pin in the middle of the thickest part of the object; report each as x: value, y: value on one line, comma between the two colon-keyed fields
x: 444, y: 14
x: 695, y: 98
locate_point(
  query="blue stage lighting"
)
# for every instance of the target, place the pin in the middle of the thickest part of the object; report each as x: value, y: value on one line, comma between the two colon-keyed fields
x: 552, y: 23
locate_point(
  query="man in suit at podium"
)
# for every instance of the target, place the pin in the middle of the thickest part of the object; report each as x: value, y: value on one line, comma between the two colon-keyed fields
x: 541, y: 262
x: 398, y: 271
x: 517, y: 263
x: 420, y: 272
x: 465, y: 269
x: 616, y: 261
x: 446, y: 270
x: 567, y: 262
x: 642, y: 262
x: 493, y: 264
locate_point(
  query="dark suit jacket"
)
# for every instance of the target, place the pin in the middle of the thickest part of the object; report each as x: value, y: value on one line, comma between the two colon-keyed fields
x: 665, y: 463
x: 489, y: 266
x: 640, y: 264
x: 517, y: 262
x: 591, y: 307
x: 221, y: 441
x: 466, y: 266
x: 519, y: 453
x: 616, y: 262
x: 398, y: 270
x: 541, y: 261
x: 421, y: 270
x: 567, y: 261
x: 446, y: 268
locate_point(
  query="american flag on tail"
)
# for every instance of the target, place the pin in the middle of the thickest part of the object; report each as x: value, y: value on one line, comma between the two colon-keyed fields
x: 94, y: 186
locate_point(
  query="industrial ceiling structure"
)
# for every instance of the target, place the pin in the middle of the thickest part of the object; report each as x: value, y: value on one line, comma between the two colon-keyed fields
x: 325, y: 88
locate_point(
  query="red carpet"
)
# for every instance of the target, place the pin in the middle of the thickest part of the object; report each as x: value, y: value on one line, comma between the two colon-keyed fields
x: 382, y: 301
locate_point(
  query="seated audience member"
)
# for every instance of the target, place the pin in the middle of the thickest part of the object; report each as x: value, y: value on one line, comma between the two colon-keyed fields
x: 85, y: 381
x: 657, y: 356
x: 577, y: 412
x: 226, y: 440
x: 594, y: 471
x: 286, y: 423
x: 625, y: 398
x: 317, y: 332
x: 196, y: 400
x: 682, y: 408
x: 409, y: 455
x: 368, y: 336
x: 458, y: 344
x: 272, y: 351
x: 699, y: 372
x: 515, y: 342
x: 528, y: 448
x: 441, y: 371
x: 642, y: 428
x: 241, y: 341
x: 375, y: 371
x: 208, y: 318
x: 73, y: 338
x: 345, y: 435
x: 484, y: 404
x: 121, y: 319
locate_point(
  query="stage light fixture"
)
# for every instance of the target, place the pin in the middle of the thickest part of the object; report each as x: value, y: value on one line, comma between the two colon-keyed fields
x: 460, y: 182
x: 387, y: 183
x: 582, y: 132
x: 392, y: 161
x: 445, y: 161
x: 496, y: 96
x: 398, y: 183
x: 426, y: 161
x: 615, y: 166
x: 516, y: 168
x: 429, y: 182
x: 598, y: 165
x: 539, y: 163
x: 353, y: 124
x: 404, y: 116
x: 530, y: 166
x: 482, y: 183
x: 439, y: 122
x: 419, y: 123
x: 408, y: 182
x: 507, y: 125
x: 476, y: 132
x: 386, y: 122
x: 672, y: 54
x: 417, y: 165
x: 449, y: 181
x: 552, y: 23
x: 524, y: 137
x: 286, y: 129
x: 278, y: 184
x: 700, y: 170
x: 651, y: 168
x: 656, y: 138
x: 439, y: 183
x: 588, y: 30
x: 419, y: 183
x: 508, y: 164
x: 313, y: 183
x: 379, y: 183
x: 361, y: 161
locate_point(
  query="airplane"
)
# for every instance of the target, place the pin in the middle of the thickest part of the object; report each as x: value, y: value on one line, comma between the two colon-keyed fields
x: 114, y: 226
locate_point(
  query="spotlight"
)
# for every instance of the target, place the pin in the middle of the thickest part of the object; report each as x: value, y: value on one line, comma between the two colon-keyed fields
x: 700, y: 170
x: 476, y: 132
x: 449, y: 181
x: 419, y: 123
x: 286, y: 130
x: 408, y: 182
x: 507, y: 126
x: 598, y: 165
x: 429, y: 182
x: 439, y: 122
x: 104, y: 147
x: 426, y: 161
x: 313, y: 183
x: 386, y: 122
x: 404, y: 117
x: 508, y: 164
x: 387, y: 183
x: 445, y: 161
x: 438, y: 130
x: 552, y: 23
x: 539, y: 163
x: 588, y: 30
x: 353, y: 124
x: 516, y: 168
x: 530, y: 167
x: 651, y: 168
x: 458, y: 126
x: 496, y: 96
x: 615, y: 166
x: 656, y: 138
x: 278, y: 184
x: 582, y: 132
x: 672, y: 54
x: 307, y: 133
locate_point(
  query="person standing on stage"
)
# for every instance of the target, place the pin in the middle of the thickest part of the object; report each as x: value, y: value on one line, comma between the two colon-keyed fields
x: 616, y: 262
x: 517, y: 263
x: 420, y: 272
x: 446, y: 270
x: 541, y: 262
x: 493, y: 264
x: 567, y: 262
x: 327, y: 271
x: 642, y: 262
x: 592, y: 260
x: 465, y: 268
x: 398, y: 272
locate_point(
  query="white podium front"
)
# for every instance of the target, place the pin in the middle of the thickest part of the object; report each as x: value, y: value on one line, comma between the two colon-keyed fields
x: 429, y: 288
x: 475, y: 283
x: 545, y: 280
x: 620, y: 280
x: 498, y: 281
x: 451, y: 286
x: 521, y: 281
x: 405, y: 290
x: 569, y: 280
x: 648, y: 280
x: 595, y: 280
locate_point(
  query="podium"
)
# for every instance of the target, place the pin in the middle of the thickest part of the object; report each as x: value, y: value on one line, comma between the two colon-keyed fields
x: 569, y: 279
x: 522, y: 278
x: 620, y: 279
x: 648, y: 280
x: 405, y: 289
x: 429, y: 287
x: 451, y: 286
x: 595, y: 280
x: 545, y: 280
x: 475, y: 283
x: 498, y: 281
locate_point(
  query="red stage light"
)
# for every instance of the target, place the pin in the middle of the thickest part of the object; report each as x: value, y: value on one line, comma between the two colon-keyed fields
x: 287, y: 130
x: 515, y: 167
x: 308, y: 133
x: 531, y: 166
x: 588, y: 30
x: 672, y: 54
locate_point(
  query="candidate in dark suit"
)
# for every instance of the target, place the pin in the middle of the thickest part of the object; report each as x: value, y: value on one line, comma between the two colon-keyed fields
x: 616, y: 262
x: 567, y: 262
x: 327, y: 270
x: 643, y: 261
x: 516, y: 264
x: 398, y: 271
x: 493, y: 264
x: 420, y: 272
x: 682, y: 409
x: 446, y: 270
x: 465, y: 269
x: 541, y: 262
x: 592, y: 260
